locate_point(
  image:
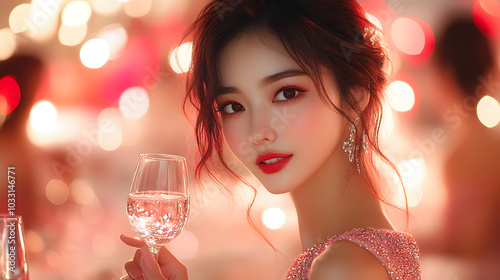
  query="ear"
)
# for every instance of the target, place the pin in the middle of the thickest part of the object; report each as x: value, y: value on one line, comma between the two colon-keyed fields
x: 362, y: 96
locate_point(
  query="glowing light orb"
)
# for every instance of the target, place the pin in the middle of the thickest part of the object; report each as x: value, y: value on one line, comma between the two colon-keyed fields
x: 10, y: 94
x: 180, y: 59
x: 401, y: 96
x: 116, y: 37
x: 408, y: 36
x: 106, y: 7
x: 81, y: 192
x: 8, y: 43
x: 18, y: 18
x: 274, y: 218
x: 492, y: 7
x: 111, y: 140
x: 138, y: 8
x: 42, y: 21
x: 488, y: 111
x: 94, y: 53
x: 76, y: 13
x: 109, y: 117
x: 414, y: 173
x: 134, y: 103
x: 34, y: 242
x: 43, y: 116
x: 57, y: 192
x: 72, y: 35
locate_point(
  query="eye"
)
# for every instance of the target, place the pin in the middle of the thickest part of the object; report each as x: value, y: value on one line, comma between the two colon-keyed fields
x: 231, y: 108
x: 287, y: 94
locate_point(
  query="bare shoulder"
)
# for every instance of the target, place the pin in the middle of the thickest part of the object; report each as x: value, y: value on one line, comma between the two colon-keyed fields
x: 345, y: 260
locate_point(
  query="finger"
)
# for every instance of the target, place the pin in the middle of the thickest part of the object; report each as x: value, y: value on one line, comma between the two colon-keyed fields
x: 133, y: 270
x: 137, y: 257
x: 149, y: 266
x: 170, y: 266
x: 131, y: 241
x: 166, y: 257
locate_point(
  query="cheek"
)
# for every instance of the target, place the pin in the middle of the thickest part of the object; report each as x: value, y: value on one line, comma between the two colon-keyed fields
x: 316, y: 126
x: 236, y: 138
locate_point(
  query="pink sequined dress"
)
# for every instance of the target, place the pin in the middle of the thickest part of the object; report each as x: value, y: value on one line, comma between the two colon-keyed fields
x: 397, y: 251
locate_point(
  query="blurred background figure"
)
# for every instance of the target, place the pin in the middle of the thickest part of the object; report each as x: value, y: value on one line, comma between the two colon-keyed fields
x: 465, y: 76
x: 20, y: 75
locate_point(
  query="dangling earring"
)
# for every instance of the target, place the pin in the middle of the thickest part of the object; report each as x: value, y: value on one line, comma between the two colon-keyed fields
x: 351, y: 148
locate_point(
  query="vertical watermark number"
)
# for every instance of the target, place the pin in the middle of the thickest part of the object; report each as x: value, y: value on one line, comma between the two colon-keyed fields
x: 11, y: 190
x: 11, y: 225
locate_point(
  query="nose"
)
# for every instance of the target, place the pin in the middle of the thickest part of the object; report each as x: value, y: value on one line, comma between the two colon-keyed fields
x: 262, y: 130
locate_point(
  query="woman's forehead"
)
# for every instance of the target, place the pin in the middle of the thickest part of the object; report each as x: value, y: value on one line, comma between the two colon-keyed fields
x: 252, y: 55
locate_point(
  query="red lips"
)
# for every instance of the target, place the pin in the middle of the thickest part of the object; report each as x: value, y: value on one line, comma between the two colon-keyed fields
x: 278, y: 161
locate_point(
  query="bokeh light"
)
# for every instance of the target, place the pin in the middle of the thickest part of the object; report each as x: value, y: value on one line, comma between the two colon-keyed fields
x: 76, y: 13
x: 488, y: 111
x: 134, y: 103
x: 116, y: 37
x: 138, y: 8
x: 109, y: 117
x: 110, y: 133
x: 180, y: 59
x: 106, y: 7
x: 10, y: 94
x: 72, y: 35
x: 111, y: 139
x: 43, y: 19
x: 43, y: 116
x: 57, y: 192
x: 486, y: 15
x: 408, y: 36
x: 274, y: 218
x: 413, y: 173
x: 8, y: 43
x: 18, y: 18
x: 95, y: 53
x: 401, y: 96
x: 82, y: 192
x: 34, y: 242
x: 492, y: 7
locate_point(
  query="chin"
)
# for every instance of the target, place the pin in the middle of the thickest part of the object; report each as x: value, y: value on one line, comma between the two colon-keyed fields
x: 277, y: 187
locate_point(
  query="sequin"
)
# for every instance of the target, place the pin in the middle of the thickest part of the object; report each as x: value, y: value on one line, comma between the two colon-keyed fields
x: 397, y: 251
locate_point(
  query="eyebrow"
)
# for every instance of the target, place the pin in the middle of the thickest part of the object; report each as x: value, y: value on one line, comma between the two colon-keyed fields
x: 267, y: 80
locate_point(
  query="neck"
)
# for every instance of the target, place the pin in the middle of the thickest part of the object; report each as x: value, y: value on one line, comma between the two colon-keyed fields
x: 330, y: 204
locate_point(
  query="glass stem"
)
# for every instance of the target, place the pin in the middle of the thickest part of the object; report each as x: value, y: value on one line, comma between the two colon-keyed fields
x: 155, y: 251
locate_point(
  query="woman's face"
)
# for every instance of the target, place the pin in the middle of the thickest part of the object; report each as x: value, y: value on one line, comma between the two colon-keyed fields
x: 272, y: 116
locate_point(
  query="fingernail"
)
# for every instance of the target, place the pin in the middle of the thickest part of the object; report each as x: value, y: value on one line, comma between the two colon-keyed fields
x: 147, y: 259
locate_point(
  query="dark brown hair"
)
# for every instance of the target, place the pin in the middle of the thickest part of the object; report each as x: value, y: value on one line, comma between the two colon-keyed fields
x: 316, y: 33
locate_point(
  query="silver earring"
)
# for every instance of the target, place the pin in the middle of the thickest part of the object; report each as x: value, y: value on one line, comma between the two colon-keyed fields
x: 351, y: 148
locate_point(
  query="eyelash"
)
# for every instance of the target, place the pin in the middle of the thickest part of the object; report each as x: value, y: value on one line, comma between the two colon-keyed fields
x: 300, y: 93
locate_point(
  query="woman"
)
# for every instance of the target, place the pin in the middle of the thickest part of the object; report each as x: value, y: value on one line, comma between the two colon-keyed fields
x: 295, y: 88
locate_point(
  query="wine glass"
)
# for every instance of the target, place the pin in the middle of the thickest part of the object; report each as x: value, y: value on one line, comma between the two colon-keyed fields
x: 13, y: 254
x: 158, y: 201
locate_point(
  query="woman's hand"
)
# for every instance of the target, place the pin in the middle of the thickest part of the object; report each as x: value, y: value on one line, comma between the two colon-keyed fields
x: 144, y: 266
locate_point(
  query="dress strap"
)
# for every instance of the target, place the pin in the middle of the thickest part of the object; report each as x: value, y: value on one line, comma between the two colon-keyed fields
x: 398, y: 251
